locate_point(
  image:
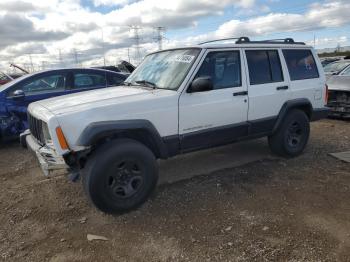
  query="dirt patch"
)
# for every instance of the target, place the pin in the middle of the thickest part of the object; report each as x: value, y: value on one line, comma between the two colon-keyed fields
x: 272, y: 210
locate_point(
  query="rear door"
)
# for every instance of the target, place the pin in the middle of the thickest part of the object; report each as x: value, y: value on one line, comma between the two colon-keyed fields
x: 305, y: 78
x: 217, y: 116
x: 86, y: 79
x: 114, y: 79
x: 268, y: 88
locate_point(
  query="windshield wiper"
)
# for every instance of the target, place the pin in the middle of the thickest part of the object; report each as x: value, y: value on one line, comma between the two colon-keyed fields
x: 146, y: 83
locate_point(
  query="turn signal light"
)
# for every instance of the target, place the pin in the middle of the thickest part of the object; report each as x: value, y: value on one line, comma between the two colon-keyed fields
x: 61, y: 138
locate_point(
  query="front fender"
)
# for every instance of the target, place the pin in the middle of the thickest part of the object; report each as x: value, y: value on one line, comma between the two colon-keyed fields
x: 99, y: 130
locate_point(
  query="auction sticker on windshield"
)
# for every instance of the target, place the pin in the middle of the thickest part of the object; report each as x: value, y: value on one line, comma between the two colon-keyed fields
x: 184, y: 58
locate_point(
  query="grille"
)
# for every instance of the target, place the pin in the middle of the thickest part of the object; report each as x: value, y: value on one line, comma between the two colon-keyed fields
x: 36, y: 128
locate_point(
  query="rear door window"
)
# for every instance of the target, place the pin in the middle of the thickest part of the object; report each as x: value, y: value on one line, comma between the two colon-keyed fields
x: 89, y: 80
x: 114, y: 80
x: 264, y: 66
x: 301, y: 64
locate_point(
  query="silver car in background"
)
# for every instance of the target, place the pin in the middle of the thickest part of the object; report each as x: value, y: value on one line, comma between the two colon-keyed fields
x: 339, y: 94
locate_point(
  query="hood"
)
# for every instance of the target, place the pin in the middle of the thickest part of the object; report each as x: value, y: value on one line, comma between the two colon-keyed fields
x: 339, y: 82
x: 100, y: 97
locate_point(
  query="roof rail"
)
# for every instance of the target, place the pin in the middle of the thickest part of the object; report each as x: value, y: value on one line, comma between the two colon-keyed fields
x: 246, y: 40
x: 242, y: 39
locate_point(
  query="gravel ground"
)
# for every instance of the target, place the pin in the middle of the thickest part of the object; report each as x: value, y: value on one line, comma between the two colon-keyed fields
x: 270, y: 210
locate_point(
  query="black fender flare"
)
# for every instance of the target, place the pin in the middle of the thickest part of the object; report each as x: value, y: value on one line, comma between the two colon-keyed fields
x: 99, y: 130
x: 302, y: 103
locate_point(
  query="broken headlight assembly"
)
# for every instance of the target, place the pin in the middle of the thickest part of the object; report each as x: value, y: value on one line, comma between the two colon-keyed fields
x: 46, y: 133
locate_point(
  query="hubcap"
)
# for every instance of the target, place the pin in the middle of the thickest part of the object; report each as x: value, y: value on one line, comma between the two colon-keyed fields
x: 125, y: 179
x: 294, y: 134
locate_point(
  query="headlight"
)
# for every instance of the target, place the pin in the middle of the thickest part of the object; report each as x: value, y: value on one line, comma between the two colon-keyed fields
x: 46, y: 133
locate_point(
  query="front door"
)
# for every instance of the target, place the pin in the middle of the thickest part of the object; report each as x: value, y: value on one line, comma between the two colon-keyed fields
x: 35, y: 88
x: 217, y: 116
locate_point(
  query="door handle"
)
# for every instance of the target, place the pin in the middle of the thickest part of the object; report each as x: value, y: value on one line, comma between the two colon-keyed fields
x: 282, y: 87
x: 243, y: 93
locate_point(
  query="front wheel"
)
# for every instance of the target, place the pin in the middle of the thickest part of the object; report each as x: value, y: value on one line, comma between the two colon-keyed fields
x: 291, y: 137
x: 120, y: 176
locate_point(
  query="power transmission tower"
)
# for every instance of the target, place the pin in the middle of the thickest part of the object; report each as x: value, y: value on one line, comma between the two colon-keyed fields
x: 136, y: 32
x: 338, y: 49
x: 159, y: 38
x: 43, y: 67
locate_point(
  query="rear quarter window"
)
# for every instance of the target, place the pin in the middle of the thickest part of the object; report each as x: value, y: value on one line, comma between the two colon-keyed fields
x: 301, y: 64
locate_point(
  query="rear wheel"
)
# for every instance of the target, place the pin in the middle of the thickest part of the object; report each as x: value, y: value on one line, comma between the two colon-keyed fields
x: 120, y: 176
x: 291, y: 137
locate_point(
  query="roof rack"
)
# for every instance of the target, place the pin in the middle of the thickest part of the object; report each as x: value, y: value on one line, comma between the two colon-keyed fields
x: 246, y: 40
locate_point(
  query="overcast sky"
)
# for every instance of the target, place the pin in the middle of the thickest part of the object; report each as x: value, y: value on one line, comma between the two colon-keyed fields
x: 60, y: 32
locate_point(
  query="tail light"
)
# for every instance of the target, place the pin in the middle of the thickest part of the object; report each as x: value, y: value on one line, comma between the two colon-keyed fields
x: 326, y: 95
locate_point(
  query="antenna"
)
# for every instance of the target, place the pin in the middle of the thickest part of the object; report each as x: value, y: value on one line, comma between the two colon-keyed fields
x: 160, y: 37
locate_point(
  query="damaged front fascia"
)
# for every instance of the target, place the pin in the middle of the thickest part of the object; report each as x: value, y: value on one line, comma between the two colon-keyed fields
x: 10, y: 126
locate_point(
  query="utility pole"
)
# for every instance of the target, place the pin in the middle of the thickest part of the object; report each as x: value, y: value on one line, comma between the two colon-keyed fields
x: 129, y: 54
x: 314, y: 41
x: 31, y: 63
x: 136, y: 30
x: 60, y: 57
x: 75, y: 54
x: 159, y: 37
x: 103, y: 48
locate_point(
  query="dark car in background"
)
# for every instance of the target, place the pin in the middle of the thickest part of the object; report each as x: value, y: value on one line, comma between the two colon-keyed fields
x: 16, y: 95
x: 339, y: 94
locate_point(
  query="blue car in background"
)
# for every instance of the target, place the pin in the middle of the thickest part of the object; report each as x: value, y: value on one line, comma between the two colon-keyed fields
x: 16, y: 95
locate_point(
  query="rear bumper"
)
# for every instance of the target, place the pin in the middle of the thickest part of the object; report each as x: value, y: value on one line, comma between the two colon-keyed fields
x: 320, y: 113
x: 48, y: 159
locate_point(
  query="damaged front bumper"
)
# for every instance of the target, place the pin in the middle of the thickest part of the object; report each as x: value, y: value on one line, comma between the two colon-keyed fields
x: 48, y: 159
x: 339, y: 103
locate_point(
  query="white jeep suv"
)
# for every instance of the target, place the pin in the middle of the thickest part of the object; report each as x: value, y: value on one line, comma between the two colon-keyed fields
x: 178, y: 101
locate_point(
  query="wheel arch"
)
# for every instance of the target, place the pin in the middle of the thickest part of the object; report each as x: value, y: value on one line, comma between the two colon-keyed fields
x: 302, y: 104
x: 140, y: 130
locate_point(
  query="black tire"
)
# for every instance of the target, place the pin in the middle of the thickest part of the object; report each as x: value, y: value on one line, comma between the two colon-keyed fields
x: 120, y: 176
x: 291, y: 137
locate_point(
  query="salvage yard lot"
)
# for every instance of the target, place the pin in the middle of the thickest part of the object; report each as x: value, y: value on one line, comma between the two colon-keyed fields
x: 258, y: 208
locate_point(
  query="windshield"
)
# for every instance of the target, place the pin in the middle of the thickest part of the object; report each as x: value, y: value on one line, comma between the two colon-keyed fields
x: 165, y: 70
x: 336, y: 67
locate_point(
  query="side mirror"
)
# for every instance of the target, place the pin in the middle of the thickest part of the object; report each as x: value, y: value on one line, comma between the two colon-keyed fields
x: 201, y: 84
x: 18, y: 94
